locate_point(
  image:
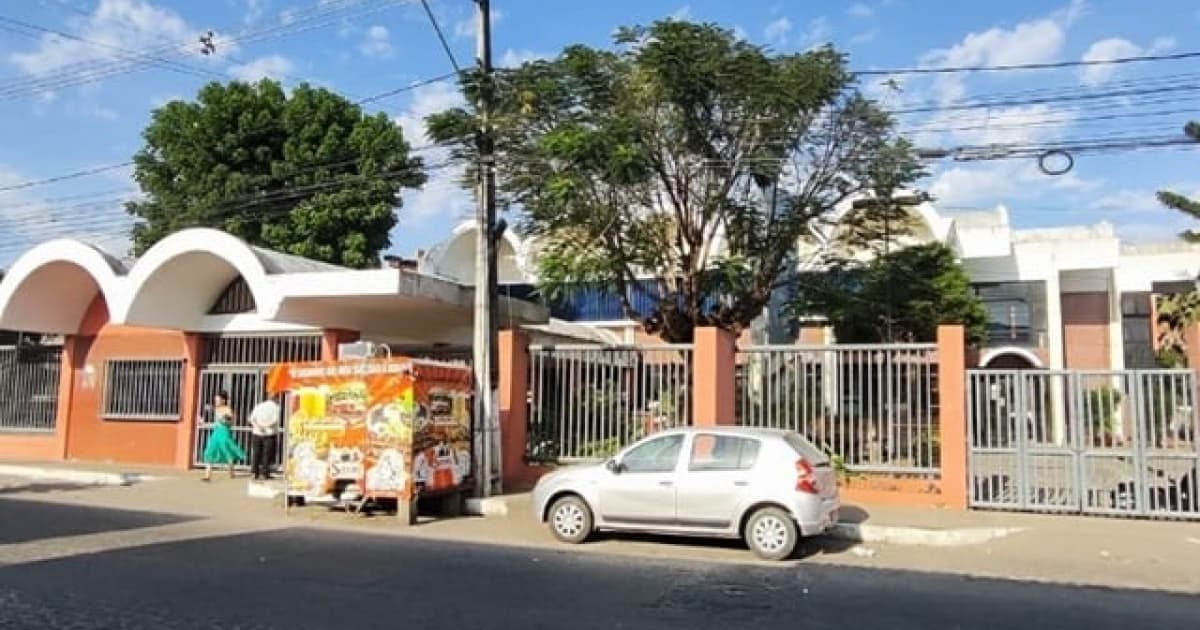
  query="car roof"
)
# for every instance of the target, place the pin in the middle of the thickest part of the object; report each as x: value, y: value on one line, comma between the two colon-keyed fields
x: 732, y: 430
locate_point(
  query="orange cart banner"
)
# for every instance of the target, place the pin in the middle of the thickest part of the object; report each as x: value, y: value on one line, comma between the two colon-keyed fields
x: 383, y: 428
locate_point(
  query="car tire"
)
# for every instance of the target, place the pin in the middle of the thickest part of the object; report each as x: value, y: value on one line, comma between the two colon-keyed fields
x: 771, y: 534
x: 570, y: 520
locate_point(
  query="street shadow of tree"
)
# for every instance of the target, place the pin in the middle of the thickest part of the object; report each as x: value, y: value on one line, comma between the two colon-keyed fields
x: 32, y: 520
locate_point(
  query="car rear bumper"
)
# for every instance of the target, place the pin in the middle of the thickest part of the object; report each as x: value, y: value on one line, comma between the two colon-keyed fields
x: 823, y: 521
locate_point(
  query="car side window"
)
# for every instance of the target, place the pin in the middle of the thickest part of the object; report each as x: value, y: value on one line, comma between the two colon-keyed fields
x: 657, y: 455
x: 722, y: 453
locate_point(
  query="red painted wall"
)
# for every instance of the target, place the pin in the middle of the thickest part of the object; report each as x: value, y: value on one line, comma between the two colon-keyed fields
x: 1085, y: 331
x: 92, y: 438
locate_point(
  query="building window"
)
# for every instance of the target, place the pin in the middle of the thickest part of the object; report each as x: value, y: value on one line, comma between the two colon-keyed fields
x: 143, y: 389
x: 1016, y: 312
x: 236, y: 298
x: 1137, y: 330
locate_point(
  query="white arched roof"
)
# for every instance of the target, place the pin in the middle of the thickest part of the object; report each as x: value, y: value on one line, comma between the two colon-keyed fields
x: 454, y: 258
x: 50, y: 287
x: 176, y: 281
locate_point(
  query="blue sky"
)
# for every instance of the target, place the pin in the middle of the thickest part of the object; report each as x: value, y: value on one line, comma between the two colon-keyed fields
x: 67, y: 106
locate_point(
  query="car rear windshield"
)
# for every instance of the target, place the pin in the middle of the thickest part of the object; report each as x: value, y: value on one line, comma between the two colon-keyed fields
x: 804, y: 448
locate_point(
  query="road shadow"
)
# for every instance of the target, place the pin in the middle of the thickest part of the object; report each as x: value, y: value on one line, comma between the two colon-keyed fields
x: 305, y: 578
x: 26, y: 521
x: 43, y: 487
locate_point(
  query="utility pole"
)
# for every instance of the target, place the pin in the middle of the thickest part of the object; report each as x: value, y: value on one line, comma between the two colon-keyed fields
x: 485, y: 254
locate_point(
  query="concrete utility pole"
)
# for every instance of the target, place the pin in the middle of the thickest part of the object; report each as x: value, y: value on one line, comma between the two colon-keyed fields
x: 485, y: 256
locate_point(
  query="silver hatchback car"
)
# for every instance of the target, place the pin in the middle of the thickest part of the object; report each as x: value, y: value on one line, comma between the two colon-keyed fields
x: 767, y: 486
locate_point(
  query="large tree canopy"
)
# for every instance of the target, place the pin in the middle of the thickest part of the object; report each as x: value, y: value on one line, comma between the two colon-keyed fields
x: 686, y: 157
x: 306, y: 173
x: 900, y: 296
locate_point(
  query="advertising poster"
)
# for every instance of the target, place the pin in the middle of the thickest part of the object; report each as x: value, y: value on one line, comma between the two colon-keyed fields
x: 382, y: 428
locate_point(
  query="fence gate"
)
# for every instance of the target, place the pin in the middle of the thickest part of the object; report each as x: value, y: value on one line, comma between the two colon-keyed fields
x: 238, y: 365
x: 1098, y: 442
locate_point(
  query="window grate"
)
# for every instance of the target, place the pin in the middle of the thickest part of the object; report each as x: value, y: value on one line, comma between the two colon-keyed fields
x: 143, y: 389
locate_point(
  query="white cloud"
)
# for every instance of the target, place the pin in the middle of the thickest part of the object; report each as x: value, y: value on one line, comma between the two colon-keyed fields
x: 377, y: 43
x: 268, y: 67
x: 1116, y: 48
x: 1004, y: 125
x: 777, y: 31
x: 513, y: 57
x: 441, y: 195
x: 112, y: 26
x: 1002, y: 182
x: 28, y: 219
x: 864, y: 37
x: 465, y: 28
x: 1034, y: 41
x: 1135, y: 200
x: 254, y: 11
x: 860, y: 10
x: 817, y: 33
x: 682, y: 13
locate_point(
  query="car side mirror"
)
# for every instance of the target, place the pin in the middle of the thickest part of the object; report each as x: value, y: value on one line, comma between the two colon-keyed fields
x: 614, y: 466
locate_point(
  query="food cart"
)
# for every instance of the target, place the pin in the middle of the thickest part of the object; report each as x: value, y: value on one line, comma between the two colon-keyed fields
x: 374, y: 431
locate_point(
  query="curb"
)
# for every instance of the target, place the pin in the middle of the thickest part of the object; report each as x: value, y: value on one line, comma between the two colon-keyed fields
x: 81, y: 477
x: 899, y: 535
x: 491, y: 506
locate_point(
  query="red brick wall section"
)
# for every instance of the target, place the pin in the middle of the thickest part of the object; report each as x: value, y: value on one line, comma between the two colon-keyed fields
x: 92, y: 438
x: 1085, y: 331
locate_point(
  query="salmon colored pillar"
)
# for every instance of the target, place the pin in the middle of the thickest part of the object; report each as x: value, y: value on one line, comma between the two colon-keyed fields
x: 952, y: 421
x: 331, y: 338
x: 193, y: 345
x: 66, y: 395
x: 1191, y: 338
x: 513, y: 384
x: 714, y: 353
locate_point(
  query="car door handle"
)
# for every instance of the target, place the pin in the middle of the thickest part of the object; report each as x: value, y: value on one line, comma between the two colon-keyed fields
x: 666, y: 483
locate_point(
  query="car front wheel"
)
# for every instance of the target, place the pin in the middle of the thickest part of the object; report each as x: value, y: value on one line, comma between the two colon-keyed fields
x: 772, y: 534
x: 571, y: 520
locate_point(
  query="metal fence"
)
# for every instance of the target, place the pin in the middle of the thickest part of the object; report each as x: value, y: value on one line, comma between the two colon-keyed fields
x: 1100, y: 442
x: 586, y: 402
x: 143, y: 389
x: 29, y: 388
x: 238, y: 365
x: 874, y: 406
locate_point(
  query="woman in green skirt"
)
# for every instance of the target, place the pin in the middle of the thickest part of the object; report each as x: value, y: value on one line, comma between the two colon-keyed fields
x: 221, y: 447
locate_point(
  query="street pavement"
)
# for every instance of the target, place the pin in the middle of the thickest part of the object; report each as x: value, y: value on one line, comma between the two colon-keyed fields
x: 301, y: 577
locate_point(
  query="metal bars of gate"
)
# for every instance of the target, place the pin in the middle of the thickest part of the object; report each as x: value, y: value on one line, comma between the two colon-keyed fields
x: 873, y: 405
x: 587, y: 401
x: 1097, y: 442
x: 29, y: 388
x: 238, y: 364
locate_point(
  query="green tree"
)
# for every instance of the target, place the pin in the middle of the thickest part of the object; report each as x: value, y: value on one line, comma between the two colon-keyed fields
x: 685, y: 156
x: 921, y: 286
x: 307, y: 173
x: 1176, y: 201
x: 1177, y: 312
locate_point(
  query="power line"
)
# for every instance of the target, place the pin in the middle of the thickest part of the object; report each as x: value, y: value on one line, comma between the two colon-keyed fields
x: 66, y: 176
x: 407, y: 88
x: 437, y: 28
x: 1030, y: 66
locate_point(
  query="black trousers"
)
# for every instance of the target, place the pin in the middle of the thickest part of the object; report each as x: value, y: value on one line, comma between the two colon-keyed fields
x: 262, y: 455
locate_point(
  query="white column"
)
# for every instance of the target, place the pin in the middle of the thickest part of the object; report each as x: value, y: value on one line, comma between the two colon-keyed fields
x: 1116, y: 347
x: 1057, y: 352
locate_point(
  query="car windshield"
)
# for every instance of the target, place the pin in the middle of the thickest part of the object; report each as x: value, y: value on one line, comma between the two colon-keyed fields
x: 804, y: 448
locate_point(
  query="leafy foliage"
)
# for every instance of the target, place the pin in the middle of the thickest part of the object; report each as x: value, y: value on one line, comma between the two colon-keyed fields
x: 1176, y: 201
x: 916, y: 287
x: 686, y: 155
x: 307, y: 173
x: 1176, y: 312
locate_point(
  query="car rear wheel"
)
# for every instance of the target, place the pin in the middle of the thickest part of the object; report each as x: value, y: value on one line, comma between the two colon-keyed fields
x: 772, y: 534
x: 570, y: 520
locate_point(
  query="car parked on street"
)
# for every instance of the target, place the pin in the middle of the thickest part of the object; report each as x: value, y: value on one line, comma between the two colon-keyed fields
x: 769, y: 487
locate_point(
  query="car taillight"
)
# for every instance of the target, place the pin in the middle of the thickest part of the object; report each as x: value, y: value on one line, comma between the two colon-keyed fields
x: 805, y: 480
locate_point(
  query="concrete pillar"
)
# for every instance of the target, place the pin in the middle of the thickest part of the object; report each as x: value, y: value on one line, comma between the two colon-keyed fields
x: 66, y: 395
x: 713, y: 378
x: 185, y: 436
x: 331, y: 338
x: 513, y: 411
x: 1057, y: 352
x: 1192, y: 346
x: 952, y: 419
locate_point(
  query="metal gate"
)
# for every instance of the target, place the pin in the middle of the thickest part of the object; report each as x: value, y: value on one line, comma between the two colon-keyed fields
x: 238, y: 365
x: 1097, y: 442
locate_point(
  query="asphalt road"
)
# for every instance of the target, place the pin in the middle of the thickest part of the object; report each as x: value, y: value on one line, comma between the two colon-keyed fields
x: 302, y: 578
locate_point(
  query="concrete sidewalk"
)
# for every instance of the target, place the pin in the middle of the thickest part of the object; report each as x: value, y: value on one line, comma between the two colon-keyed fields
x: 1075, y: 550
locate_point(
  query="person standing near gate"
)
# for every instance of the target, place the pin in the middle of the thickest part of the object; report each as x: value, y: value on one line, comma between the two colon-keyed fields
x: 264, y: 428
x: 222, y: 448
